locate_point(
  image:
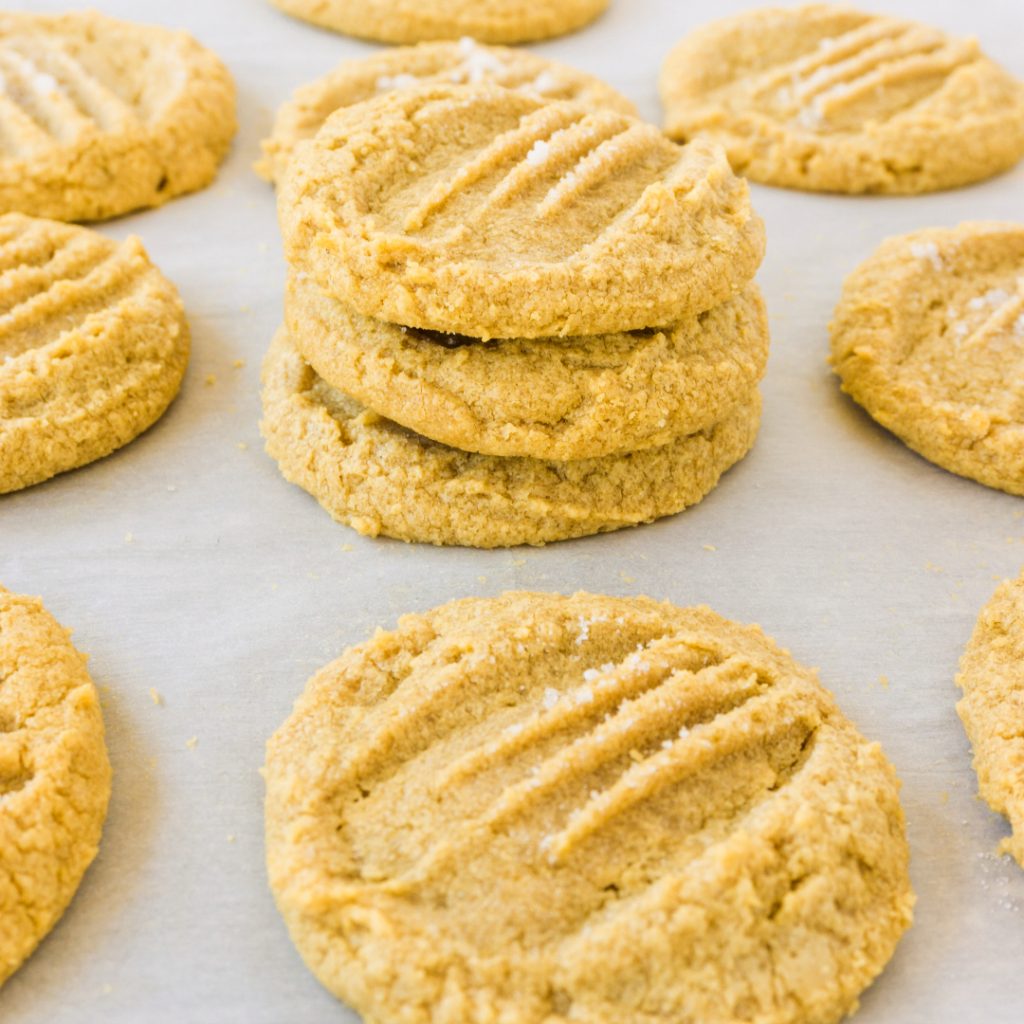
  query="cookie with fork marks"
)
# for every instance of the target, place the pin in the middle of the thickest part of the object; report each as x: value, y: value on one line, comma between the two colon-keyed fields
x: 829, y: 98
x: 99, y: 117
x: 492, y: 212
x: 542, y: 808
x: 408, y: 66
x: 93, y: 347
x: 928, y: 336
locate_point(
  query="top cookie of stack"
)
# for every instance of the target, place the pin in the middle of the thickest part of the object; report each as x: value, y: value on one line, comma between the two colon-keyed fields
x: 557, y: 292
x: 494, y: 213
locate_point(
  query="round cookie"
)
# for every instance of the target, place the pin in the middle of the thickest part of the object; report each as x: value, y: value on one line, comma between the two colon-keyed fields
x: 541, y: 808
x: 54, y: 775
x: 547, y: 398
x: 93, y: 347
x: 429, y: 63
x: 929, y: 337
x: 992, y: 707
x: 830, y: 98
x: 382, y: 479
x: 414, y: 21
x: 101, y: 117
x: 491, y: 212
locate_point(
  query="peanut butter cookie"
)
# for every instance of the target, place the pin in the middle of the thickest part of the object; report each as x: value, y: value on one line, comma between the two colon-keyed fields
x: 101, y: 117
x: 542, y: 808
x: 547, y: 398
x: 414, y: 21
x: 93, y: 347
x: 992, y: 707
x: 380, y: 478
x: 826, y: 97
x: 54, y: 775
x: 929, y: 337
x: 492, y: 212
x: 429, y: 63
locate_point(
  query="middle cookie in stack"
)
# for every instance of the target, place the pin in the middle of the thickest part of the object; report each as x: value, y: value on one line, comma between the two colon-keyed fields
x: 494, y: 272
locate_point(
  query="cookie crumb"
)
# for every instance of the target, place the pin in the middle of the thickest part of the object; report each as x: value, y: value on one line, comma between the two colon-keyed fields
x: 192, y: 742
x: 238, y: 364
x: 709, y: 547
x: 210, y: 379
x: 156, y: 696
x: 129, y: 538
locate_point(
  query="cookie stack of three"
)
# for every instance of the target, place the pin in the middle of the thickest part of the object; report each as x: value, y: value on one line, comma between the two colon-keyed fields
x: 511, y: 320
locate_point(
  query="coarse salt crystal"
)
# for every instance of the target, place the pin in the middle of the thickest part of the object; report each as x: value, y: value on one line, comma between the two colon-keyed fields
x: 551, y: 696
x: 45, y: 83
x: 538, y: 154
x: 927, y: 251
x: 810, y: 118
x: 544, y: 82
x: 584, y: 695
x: 387, y: 83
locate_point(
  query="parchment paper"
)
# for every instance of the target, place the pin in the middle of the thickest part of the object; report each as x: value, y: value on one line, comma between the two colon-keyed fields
x: 186, y: 564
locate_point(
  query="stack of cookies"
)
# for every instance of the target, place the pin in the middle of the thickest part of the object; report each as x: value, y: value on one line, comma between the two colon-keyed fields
x: 511, y: 320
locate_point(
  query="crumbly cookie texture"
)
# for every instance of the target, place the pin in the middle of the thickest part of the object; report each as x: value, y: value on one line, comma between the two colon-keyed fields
x: 414, y: 21
x: 491, y: 212
x: 992, y: 707
x: 546, y: 398
x: 929, y: 337
x: 54, y: 775
x: 463, y: 62
x: 381, y: 479
x: 101, y: 117
x: 93, y: 347
x: 541, y: 808
x: 830, y: 98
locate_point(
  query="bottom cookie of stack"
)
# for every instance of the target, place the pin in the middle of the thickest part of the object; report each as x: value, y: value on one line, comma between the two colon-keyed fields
x: 382, y: 479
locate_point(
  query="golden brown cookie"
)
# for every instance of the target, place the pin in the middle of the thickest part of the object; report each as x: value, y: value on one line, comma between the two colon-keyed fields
x: 491, y: 212
x: 929, y: 337
x: 827, y: 97
x: 414, y: 21
x: 539, y: 808
x: 466, y: 61
x: 382, y: 479
x: 54, y: 775
x: 99, y: 117
x: 546, y: 398
x: 93, y: 347
x: 992, y: 707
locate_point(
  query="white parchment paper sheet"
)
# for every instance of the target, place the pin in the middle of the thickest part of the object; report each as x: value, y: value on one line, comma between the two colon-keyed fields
x: 185, y: 563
